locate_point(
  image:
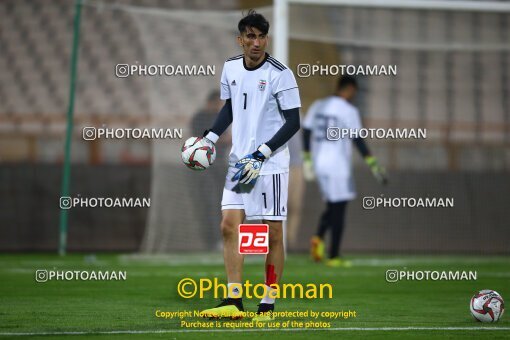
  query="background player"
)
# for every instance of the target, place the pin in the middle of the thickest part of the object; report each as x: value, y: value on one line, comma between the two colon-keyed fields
x: 332, y: 163
x: 296, y: 192
x: 262, y: 104
x: 209, y: 213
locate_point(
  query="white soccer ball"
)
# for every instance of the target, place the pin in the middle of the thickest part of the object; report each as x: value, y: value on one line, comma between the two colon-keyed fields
x: 487, y: 306
x: 198, y: 153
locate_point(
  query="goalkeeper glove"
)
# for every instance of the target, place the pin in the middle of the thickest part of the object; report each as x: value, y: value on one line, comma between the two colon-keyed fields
x: 377, y: 170
x: 249, y: 166
x: 308, y: 172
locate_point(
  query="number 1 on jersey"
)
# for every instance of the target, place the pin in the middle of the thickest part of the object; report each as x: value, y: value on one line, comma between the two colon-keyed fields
x: 245, y: 96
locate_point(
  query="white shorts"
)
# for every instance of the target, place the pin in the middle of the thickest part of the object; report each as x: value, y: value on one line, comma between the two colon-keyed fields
x: 336, y: 188
x: 266, y: 201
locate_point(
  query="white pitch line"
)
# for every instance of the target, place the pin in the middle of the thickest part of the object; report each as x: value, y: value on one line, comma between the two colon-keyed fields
x: 163, y: 331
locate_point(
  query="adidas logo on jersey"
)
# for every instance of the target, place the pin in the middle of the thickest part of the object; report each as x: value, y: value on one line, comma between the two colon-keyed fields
x: 233, y: 83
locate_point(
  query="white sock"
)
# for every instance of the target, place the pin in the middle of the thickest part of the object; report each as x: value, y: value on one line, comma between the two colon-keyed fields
x: 234, y: 290
x: 267, y: 298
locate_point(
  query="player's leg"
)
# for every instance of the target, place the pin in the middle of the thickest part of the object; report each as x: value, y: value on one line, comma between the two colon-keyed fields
x: 230, y: 222
x: 276, y: 256
x: 296, y: 192
x: 338, y: 210
x: 272, y: 211
x: 337, y: 222
x: 273, y: 269
x: 317, y: 241
x: 324, y: 222
x: 232, y: 215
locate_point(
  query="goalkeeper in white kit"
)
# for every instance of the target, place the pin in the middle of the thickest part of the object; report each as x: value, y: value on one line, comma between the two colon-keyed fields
x: 262, y: 104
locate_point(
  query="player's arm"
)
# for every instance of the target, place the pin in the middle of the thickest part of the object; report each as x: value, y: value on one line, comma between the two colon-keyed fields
x: 307, y: 137
x: 308, y: 172
x: 308, y: 124
x: 377, y: 170
x: 250, y: 165
x: 224, y: 118
x: 285, y: 90
x: 285, y: 133
x: 222, y: 122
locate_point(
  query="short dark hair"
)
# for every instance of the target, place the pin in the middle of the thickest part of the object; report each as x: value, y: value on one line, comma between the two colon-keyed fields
x: 253, y: 19
x: 345, y: 81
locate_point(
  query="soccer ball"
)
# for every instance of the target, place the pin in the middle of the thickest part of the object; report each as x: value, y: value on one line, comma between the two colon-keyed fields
x: 198, y: 153
x: 487, y: 306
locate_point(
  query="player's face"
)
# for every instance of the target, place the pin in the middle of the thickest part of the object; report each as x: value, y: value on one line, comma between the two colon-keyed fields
x: 254, y: 43
x: 351, y: 93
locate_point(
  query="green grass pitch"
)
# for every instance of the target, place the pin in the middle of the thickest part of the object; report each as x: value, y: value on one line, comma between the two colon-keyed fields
x: 126, y: 309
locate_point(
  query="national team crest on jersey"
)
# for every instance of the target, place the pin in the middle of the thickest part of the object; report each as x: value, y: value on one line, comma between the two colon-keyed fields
x: 262, y: 85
